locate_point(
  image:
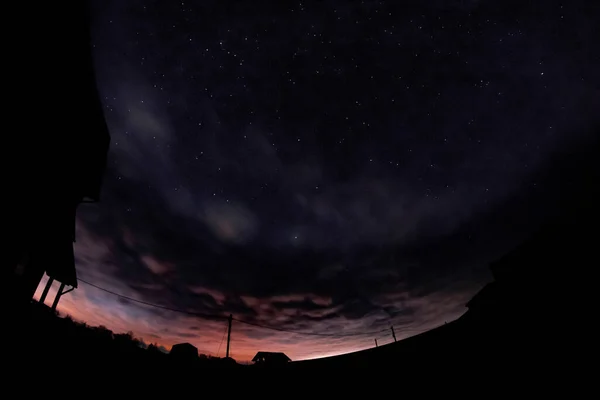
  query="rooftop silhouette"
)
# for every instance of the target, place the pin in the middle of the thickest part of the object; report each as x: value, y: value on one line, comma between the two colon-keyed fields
x: 184, y: 351
x: 270, y: 358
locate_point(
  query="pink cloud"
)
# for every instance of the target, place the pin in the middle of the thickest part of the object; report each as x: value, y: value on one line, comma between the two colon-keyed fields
x: 167, y: 328
x: 157, y: 267
x: 215, y: 294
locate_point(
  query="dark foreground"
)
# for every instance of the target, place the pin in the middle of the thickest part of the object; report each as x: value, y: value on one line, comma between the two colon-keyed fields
x: 526, y: 320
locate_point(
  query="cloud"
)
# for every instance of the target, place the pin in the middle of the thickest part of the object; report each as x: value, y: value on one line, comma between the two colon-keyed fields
x: 217, y: 296
x: 142, y: 137
x: 157, y: 267
x: 99, y: 308
x: 350, y: 299
x: 169, y: 263
x: 230, y: 222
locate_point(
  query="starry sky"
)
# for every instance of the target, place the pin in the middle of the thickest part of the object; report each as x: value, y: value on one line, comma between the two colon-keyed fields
x: 322, y: 167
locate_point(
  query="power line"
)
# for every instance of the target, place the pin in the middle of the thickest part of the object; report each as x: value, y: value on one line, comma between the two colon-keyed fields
x: 308, y: 333
x: 215, y: 316
x: 224, y: 332
x: 197, y: 314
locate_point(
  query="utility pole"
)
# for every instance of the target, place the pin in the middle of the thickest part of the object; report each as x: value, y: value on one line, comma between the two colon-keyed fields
x: 229, y: 335
x: 58, y: 295
x: 393, y: 334
x: 46, y: 289
x: 376, y: 343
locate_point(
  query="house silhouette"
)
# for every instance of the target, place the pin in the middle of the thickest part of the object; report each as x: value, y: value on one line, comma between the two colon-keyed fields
x: 184, y: 351
x: 270, y: 358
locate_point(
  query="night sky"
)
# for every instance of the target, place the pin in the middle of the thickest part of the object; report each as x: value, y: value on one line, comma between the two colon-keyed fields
x: 334, y: 167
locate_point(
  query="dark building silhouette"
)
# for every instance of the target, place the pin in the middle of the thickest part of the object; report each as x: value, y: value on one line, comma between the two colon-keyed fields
x: 270, y: 358
x: 516, y: 314
x: 61, y: 149
x: 227, y: 361
x: 184, y: 351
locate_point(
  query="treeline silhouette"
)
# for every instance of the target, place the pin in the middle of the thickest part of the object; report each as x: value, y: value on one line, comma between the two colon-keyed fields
x: 41, y: 334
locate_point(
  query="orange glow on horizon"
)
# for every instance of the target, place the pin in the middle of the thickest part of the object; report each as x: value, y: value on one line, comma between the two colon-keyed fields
x: 166, y: 328
x: 95, y: 308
